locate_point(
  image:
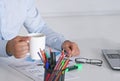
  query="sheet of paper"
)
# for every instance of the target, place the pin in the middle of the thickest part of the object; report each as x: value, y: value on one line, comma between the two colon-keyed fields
x: 31, y: 69
x: 34, y: 69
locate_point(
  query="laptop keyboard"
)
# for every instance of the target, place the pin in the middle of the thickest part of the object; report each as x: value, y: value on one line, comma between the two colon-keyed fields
x: 113, y: 56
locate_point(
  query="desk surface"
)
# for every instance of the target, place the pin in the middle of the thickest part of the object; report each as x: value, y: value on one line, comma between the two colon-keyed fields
x: 90, y: 48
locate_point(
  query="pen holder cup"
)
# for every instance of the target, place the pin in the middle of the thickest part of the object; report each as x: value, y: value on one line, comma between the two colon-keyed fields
x: 51, y: 75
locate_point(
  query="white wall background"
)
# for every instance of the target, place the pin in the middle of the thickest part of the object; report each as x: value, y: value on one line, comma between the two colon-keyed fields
x: 78, y: 7
x: 77, y: 19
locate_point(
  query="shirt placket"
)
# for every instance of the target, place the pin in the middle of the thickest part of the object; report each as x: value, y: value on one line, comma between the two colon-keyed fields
x: 2, y: 19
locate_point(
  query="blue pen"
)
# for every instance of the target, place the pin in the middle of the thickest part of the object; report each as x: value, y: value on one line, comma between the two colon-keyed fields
x: 47, y: 65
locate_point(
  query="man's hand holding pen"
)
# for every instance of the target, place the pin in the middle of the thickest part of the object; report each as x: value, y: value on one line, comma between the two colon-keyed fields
x: 71, y: 48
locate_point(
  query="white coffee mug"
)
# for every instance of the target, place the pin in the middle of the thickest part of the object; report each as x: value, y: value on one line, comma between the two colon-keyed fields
x: 36, y: 43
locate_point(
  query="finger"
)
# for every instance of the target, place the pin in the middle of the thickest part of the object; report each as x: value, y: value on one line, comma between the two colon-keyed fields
x: 22, y: 38
x: 68, y: 51
x: 21, y: 53
x: 75, y: 50
x: 21, y: 45
x: 22, y: 48
x: 24, y: 52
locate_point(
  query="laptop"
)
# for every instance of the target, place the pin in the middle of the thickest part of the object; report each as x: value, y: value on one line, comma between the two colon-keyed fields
x: 113, y: 58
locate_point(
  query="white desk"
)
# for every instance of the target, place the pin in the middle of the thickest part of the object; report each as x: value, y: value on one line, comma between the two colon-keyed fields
x: 90, y: 48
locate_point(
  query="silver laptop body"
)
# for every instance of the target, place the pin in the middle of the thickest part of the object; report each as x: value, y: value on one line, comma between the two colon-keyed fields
x: 113, y: 57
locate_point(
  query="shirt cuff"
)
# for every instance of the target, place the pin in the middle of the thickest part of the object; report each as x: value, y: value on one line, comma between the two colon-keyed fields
x: 3, y: 52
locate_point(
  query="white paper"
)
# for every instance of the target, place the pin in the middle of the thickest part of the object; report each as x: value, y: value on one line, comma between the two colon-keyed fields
x: 30, y: 68
x: 33, y: 70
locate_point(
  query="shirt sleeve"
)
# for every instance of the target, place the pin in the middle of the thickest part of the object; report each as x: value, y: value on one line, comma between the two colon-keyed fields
x: 53, y: 39
x: 3, y: 44
x: 35, y: 24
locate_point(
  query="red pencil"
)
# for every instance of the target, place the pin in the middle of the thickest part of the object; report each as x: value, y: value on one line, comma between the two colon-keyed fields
x: 47, y: 77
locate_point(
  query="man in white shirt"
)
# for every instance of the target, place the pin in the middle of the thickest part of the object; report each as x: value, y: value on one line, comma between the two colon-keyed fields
x: 14, y: 14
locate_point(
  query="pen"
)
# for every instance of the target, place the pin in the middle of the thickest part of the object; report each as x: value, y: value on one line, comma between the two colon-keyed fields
x: 40, y: 57
x: 47, y: 77
x: 47, y: 65
x: 53, y: 58
x: 43, y: 55
x: 64, y: 66
x: 66, y: 63
x: 57, y: 74
x: 74, y: 67
x: 39, y: 64
x: 57, y: 66
x: 47, y: 54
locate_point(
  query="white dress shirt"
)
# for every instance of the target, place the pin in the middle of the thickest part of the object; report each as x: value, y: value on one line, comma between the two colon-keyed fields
x: 14, y: 14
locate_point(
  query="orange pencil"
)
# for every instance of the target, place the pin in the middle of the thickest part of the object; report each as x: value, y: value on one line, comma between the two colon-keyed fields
x: 43, y: 55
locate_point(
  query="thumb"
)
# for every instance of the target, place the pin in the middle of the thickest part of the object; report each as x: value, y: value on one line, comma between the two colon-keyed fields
x: 23, y: 38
